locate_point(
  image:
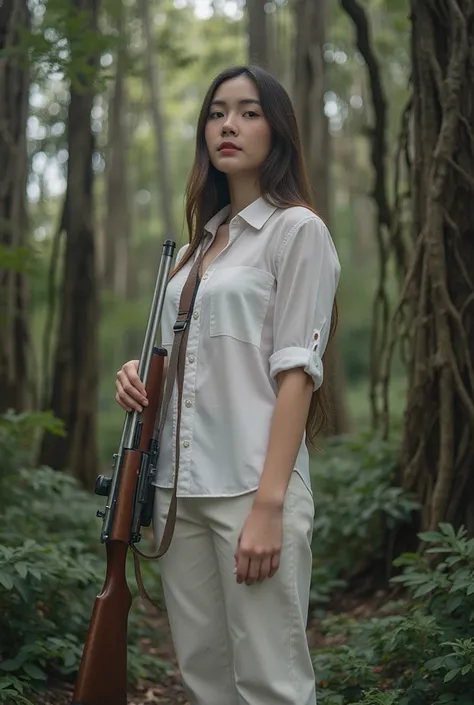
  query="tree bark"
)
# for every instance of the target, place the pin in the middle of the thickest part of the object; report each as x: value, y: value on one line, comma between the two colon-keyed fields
x: 309, y: 91
x: 117, y: 225
x: 75, y: 382
x: 437, y: 457
x: 257, y: 33
x: 310, y: 87
x: 15, y: 390
x: 157, y: 112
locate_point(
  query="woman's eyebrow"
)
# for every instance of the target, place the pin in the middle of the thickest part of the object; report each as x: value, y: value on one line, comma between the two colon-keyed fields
x: 242, y: 101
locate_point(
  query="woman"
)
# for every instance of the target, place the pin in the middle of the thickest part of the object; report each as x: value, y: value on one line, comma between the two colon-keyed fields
x: 236, y: 577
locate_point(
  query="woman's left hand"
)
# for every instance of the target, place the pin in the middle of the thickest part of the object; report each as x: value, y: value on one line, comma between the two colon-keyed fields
x: 259, y: 547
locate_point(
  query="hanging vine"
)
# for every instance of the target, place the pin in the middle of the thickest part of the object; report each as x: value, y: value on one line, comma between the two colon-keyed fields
x: 377, y: 135
x: 433, y: 321
x: 438, y: 446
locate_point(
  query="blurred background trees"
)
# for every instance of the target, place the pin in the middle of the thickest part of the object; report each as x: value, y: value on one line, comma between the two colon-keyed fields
x: 98, y: 120
x: 98, y: 107
x: 102, y: 192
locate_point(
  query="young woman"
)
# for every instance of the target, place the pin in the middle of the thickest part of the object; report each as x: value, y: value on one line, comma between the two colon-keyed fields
x: 236, y: 576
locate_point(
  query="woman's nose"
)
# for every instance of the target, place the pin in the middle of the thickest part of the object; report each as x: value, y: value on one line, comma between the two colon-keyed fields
x: 229, y: 127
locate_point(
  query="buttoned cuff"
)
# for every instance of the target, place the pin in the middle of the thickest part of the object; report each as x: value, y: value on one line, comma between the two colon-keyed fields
x: 307, y: 358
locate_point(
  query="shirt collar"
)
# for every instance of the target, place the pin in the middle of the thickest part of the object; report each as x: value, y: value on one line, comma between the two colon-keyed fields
x: 256, y: 215
x: 216, y: 220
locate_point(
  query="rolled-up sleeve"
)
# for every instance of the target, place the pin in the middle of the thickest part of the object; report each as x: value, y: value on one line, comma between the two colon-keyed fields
x: 307, y: 274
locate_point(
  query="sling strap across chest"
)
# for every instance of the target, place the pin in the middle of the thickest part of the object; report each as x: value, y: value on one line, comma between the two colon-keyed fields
x: 175, y: 373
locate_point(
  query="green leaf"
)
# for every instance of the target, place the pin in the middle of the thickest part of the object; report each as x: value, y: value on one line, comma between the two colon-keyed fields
x: 430, y: 536
x: 451, y: 674
x: 454, y: 602
x: 21, y: 569
x: 7, y: 681
x: 425, y: 589
x: 6, y: 580
x: 36, y: 573
x: 34, y: 672
x: 11, y: 664
x: 447, y: 529
x: 435, y: 663
x: 69, y: 658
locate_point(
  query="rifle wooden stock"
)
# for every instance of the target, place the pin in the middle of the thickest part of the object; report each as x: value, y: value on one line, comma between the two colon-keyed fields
x: 102, y: 678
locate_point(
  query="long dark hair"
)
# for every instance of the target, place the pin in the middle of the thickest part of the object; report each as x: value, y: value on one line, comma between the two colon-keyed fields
x: 283, y: 180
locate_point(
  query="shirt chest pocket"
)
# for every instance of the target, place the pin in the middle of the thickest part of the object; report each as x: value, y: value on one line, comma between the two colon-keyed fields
x: 239, y: 298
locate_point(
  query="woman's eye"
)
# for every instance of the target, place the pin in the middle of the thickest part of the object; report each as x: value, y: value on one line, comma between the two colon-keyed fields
x: 215, y: 115
x: 251, y: 113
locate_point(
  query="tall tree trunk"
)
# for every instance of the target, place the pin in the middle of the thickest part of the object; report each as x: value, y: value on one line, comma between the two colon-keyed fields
x: 157, y: 112
x: 14, y: 87
x: 117, y: 225
x: 377, y: 135
x: 257, y: 33
x: 74, y: 387
x: 310, y: 88
x: 438, y: 446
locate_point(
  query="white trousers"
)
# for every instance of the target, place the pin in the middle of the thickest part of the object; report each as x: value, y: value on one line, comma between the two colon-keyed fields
x: 238, y: 644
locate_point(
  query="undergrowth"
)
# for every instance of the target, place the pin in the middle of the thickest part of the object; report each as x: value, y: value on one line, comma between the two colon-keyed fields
x: 418, y: 651
x: 52, y: 566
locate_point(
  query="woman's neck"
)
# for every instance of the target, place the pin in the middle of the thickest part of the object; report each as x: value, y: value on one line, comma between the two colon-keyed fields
x: 243, y: 192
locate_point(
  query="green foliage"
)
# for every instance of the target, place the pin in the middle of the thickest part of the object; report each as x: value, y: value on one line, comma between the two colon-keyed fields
x: 19, y: 436
x: 420, y: 652
x: 18, y: 259
x: 375, y: 697
x: 356, y: 503
x: 51, y: 569
x: 63, y: 40
x: 12, y: 689
x: 323, y: 584
x: 447, y: 585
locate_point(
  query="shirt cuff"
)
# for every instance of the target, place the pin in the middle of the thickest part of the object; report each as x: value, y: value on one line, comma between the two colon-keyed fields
x: 307, y: 358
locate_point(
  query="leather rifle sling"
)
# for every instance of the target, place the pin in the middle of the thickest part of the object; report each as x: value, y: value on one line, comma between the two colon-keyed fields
x: 175, y: 372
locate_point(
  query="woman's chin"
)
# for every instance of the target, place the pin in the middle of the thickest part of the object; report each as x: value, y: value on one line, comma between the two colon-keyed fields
x: 231, y: 167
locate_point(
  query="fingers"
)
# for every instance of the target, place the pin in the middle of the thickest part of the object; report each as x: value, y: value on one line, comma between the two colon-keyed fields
x: 253, y: 571
x: 250, y: 569
x: 125, y: 400
x: 131, y: 392
x: 275, y: 564
x: 242, y: 567
x: 265, y: 567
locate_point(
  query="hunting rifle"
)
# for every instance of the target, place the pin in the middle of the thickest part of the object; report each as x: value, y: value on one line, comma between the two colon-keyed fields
x: 102, y: 678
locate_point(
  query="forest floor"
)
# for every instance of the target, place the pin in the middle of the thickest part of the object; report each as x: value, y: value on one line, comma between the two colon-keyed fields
x: 170, y: 692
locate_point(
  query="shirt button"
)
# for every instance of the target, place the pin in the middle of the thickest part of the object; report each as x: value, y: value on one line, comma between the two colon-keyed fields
x: 188, y: 402
x: 185, y: 444
x: 205, y: 276
x: 191, y: 358
x: 196, y: 314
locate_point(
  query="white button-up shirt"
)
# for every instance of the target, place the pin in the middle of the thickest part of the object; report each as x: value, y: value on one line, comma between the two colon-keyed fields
x: 264, y: 305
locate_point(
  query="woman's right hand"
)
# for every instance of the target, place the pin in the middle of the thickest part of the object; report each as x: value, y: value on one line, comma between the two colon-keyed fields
x: 131, y: 392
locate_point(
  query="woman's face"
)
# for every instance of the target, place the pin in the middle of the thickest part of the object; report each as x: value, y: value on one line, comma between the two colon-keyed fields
x: 238, y: 136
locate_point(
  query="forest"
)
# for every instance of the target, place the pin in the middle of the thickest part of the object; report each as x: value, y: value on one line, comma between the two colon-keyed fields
x: 98, y: 108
